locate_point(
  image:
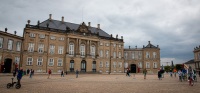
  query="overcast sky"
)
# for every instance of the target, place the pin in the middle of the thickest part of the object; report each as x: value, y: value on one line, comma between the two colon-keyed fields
x: 174, y: 25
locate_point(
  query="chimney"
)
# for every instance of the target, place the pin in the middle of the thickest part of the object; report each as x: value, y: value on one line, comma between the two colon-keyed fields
x: 111, y: 35
x: 157, y: 46
x: 29, y: 22
x: 38, y: 22
x: 62, y: 19
x: 121, y: 37
x: 6, y: 29
x: 50, y: 16
x: 129, y: 47
x: 15, y: 32
x: 136, y: 47
x: 143, y: 46
x: 98, y: 26
x: 117, y: 36
x: 149, y: 42
x: 89, y: 24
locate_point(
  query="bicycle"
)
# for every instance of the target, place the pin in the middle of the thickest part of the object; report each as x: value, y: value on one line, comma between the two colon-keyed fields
x: 17, y: 86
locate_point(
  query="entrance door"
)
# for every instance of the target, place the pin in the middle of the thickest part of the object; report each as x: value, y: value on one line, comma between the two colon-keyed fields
x: 94, y: 66
x: 71, y: 66
x: 83, y: 66
x: 133, y: 68
x: 7, y: 65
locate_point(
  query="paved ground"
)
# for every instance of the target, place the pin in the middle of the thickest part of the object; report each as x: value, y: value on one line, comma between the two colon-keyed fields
x: 99, y: 83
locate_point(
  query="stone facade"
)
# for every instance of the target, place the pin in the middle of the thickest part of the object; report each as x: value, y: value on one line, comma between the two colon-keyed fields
x: 10, y: 49
x: 197, y: 58
x: 137, y: 59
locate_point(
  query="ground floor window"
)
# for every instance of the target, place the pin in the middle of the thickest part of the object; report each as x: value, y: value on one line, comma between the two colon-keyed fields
x: 71, y: 66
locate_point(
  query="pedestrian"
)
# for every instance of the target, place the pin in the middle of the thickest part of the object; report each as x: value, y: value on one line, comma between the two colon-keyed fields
x: 62, y: 73
x: 159, y: 75
x: 28, y: 71
x: 77, y: 72
x: 66, y: 72
x: 19, y: 75
x: 49, y: 73
x: 31, y: 73
x: 14, y: 73
x: 127, y: 72
x: 145, y: 73
x: 171, y: 72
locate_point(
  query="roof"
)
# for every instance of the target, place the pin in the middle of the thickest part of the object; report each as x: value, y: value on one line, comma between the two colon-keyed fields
x: 55, y: 24
x: 151, y: 46
x: 190, y: 62
x: 10, y: 35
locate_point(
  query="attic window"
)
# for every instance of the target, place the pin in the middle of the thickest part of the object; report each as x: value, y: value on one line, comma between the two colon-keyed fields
x: 52, y: 37
x: 32, y: 35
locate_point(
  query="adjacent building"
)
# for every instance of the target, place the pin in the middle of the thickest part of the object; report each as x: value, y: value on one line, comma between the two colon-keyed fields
x: 197, y: 58
x: 10, y: 51
x: 138, y: 59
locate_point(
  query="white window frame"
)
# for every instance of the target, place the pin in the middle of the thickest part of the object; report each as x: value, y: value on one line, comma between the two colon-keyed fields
x: 101, y: 64
x: 1, y: 42
x: 101, y: 53
x: 61, y: 38
x: 114, y: 54
x: 119, y: 54
x: 125, y: 64
x: 51, y: 62
x: 31, y: 47
x: 154, y: 55
x: 32, y: 34
x: 107, y: 44
x: 140, y: 55
x: 40, y: 48
x: 60, y: 62
x: 42, y: 35
x: 147, y: 54
x: 101, y: 43
x: 148, y: 65
x: 60, y: 49
x: 107, y: 53
x: 71, y: 48
x: 82, y: 50
x: 126, y: 55
x: 114, y: 64
x: 155, y: 65
x: 29, y: 61
x: 133, y: 55
x: 52, y: 37
x: 107, y: 64
x: 92, y: 50
x: 140, y: 64
x: 114, y: 45
x: 10, y: 44
x: 17, y: 60
x: 18, y: 45
x: 52, y: 49
x: 39, y: 61
x: 120, y: 64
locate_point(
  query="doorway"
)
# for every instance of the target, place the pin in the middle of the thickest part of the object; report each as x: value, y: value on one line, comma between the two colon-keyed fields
x: 7, y: 65
x: 83, y: 66
x: 133, y: 68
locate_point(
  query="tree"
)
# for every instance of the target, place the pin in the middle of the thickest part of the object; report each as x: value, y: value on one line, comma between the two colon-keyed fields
x: 167, y: 68
x: 178, y: 66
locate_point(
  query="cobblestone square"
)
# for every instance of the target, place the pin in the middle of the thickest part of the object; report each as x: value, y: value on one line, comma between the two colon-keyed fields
x: 99, y: 83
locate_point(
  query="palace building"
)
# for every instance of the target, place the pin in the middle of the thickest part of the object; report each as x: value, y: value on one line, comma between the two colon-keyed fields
x: 10, y: 51
x: 197, y: 58
x: 137, y: 59
x: 64, y: 46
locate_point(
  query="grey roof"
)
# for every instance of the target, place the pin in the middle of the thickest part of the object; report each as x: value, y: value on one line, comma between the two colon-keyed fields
x: 150, y: 45
x: 55, y: 24
x: 190, y: 61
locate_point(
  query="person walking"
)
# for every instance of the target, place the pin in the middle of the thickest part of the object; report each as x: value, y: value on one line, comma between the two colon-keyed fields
x: 145, y: 73
x: 159, y: 75
x: 62, y: 73
x: 31, y: 72
x: 28, y: 71
x: 49, y: 73
x: 77, y: 72
x: 19, y: 76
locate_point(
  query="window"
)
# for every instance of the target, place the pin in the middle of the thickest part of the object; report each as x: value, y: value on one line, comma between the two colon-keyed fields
x: 32, y: 35
x: 17, y: 60
x: 101, y: 43
x: 154, y: 54
x: 101, y: 64
x: 60, y: 49
x: 71, y: 49
x: 107, y: 53
x: 126, y: 55
x: 120, y: 64
x: 52, y: 37
x: 51, y: 62
x: 107, y: 64
x: 92, y: 51
x: 154, y: 65
x: 61, y: 38
x: 82, y: 50
x: 114, y: 45
x: 140, y: 64
x: 120, y: 46
x: 94, y: 66
x: 107, y: 44
x: 52, y: 49
x: 114, y: 54
x: 199, y: 56
x: 29, y: 61
x: 41, y: 48
x: 71, y: 65
x: 10, y: 44
x: 140, y: 55
x: 42, y: 35
x: 120, y: 55
x: 39, y: 61
x: 1, y: 42
x: 133, y: 55
x: 30, y: 47
x: 101, y: 53
x: 60, y: 62
x: 126, y: 65
x: 114, y: 64
x: 18, y: 46
x: 147, y: 65
x: 147, y: 55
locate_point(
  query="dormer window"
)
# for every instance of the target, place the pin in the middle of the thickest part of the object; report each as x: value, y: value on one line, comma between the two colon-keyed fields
x: 61, y: 38
x: 32, y: 34
x: 42, y: 35
x: 52, y: 37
